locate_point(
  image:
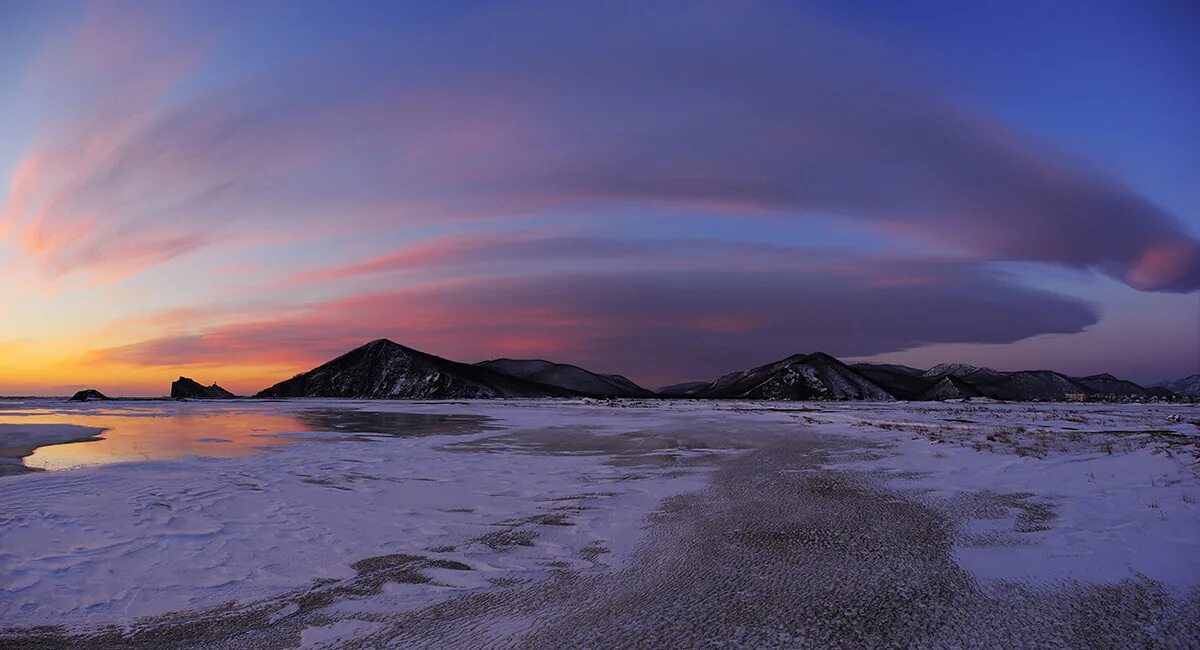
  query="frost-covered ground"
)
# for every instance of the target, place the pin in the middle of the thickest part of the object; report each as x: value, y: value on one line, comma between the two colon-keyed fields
x: 563, y: 523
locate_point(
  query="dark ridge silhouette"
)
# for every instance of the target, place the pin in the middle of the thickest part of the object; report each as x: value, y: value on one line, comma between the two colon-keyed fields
x: 382, y: 369
x: 567, y: 377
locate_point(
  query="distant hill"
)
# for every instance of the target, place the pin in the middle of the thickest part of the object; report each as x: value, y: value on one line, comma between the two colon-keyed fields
x: 383, y: 369
x: 959, y: 380
x: 1106, y: 384
x: 567, y: 377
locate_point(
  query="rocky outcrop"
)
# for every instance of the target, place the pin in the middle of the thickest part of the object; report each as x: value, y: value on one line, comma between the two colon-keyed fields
x: 188, y: 388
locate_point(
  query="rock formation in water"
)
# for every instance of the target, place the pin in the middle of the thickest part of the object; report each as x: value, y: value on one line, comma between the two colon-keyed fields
x: 188, y: 388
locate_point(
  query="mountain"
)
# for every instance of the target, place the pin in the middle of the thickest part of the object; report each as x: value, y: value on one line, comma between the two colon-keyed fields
x: 685, y: 389
x: 382, y: 369
x: 820, y: 376
x: 88, y: 394
x: 1186, y: 387
x: 187, y: 388
x: 567, y: 377
x: 799, y: 377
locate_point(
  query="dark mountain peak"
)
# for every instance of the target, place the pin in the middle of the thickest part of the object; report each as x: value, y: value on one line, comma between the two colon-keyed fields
x: 88, y: 394
x: 188, y: 388
x: 384, y: 369
x: 379, y: 344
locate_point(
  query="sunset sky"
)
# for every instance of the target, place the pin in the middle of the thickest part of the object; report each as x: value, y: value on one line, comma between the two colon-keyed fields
x: 239, y: 191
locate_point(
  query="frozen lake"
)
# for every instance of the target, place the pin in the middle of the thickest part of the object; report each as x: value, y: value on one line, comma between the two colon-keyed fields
x: 575, y: 523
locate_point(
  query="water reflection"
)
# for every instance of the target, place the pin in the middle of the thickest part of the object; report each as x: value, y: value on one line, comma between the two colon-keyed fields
x: 141, y: 431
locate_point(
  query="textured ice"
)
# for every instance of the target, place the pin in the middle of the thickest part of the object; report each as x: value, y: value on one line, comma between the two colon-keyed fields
x: 363, y: 526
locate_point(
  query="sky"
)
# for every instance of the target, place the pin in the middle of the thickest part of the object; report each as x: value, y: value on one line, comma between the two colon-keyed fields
x: 237, y: 192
